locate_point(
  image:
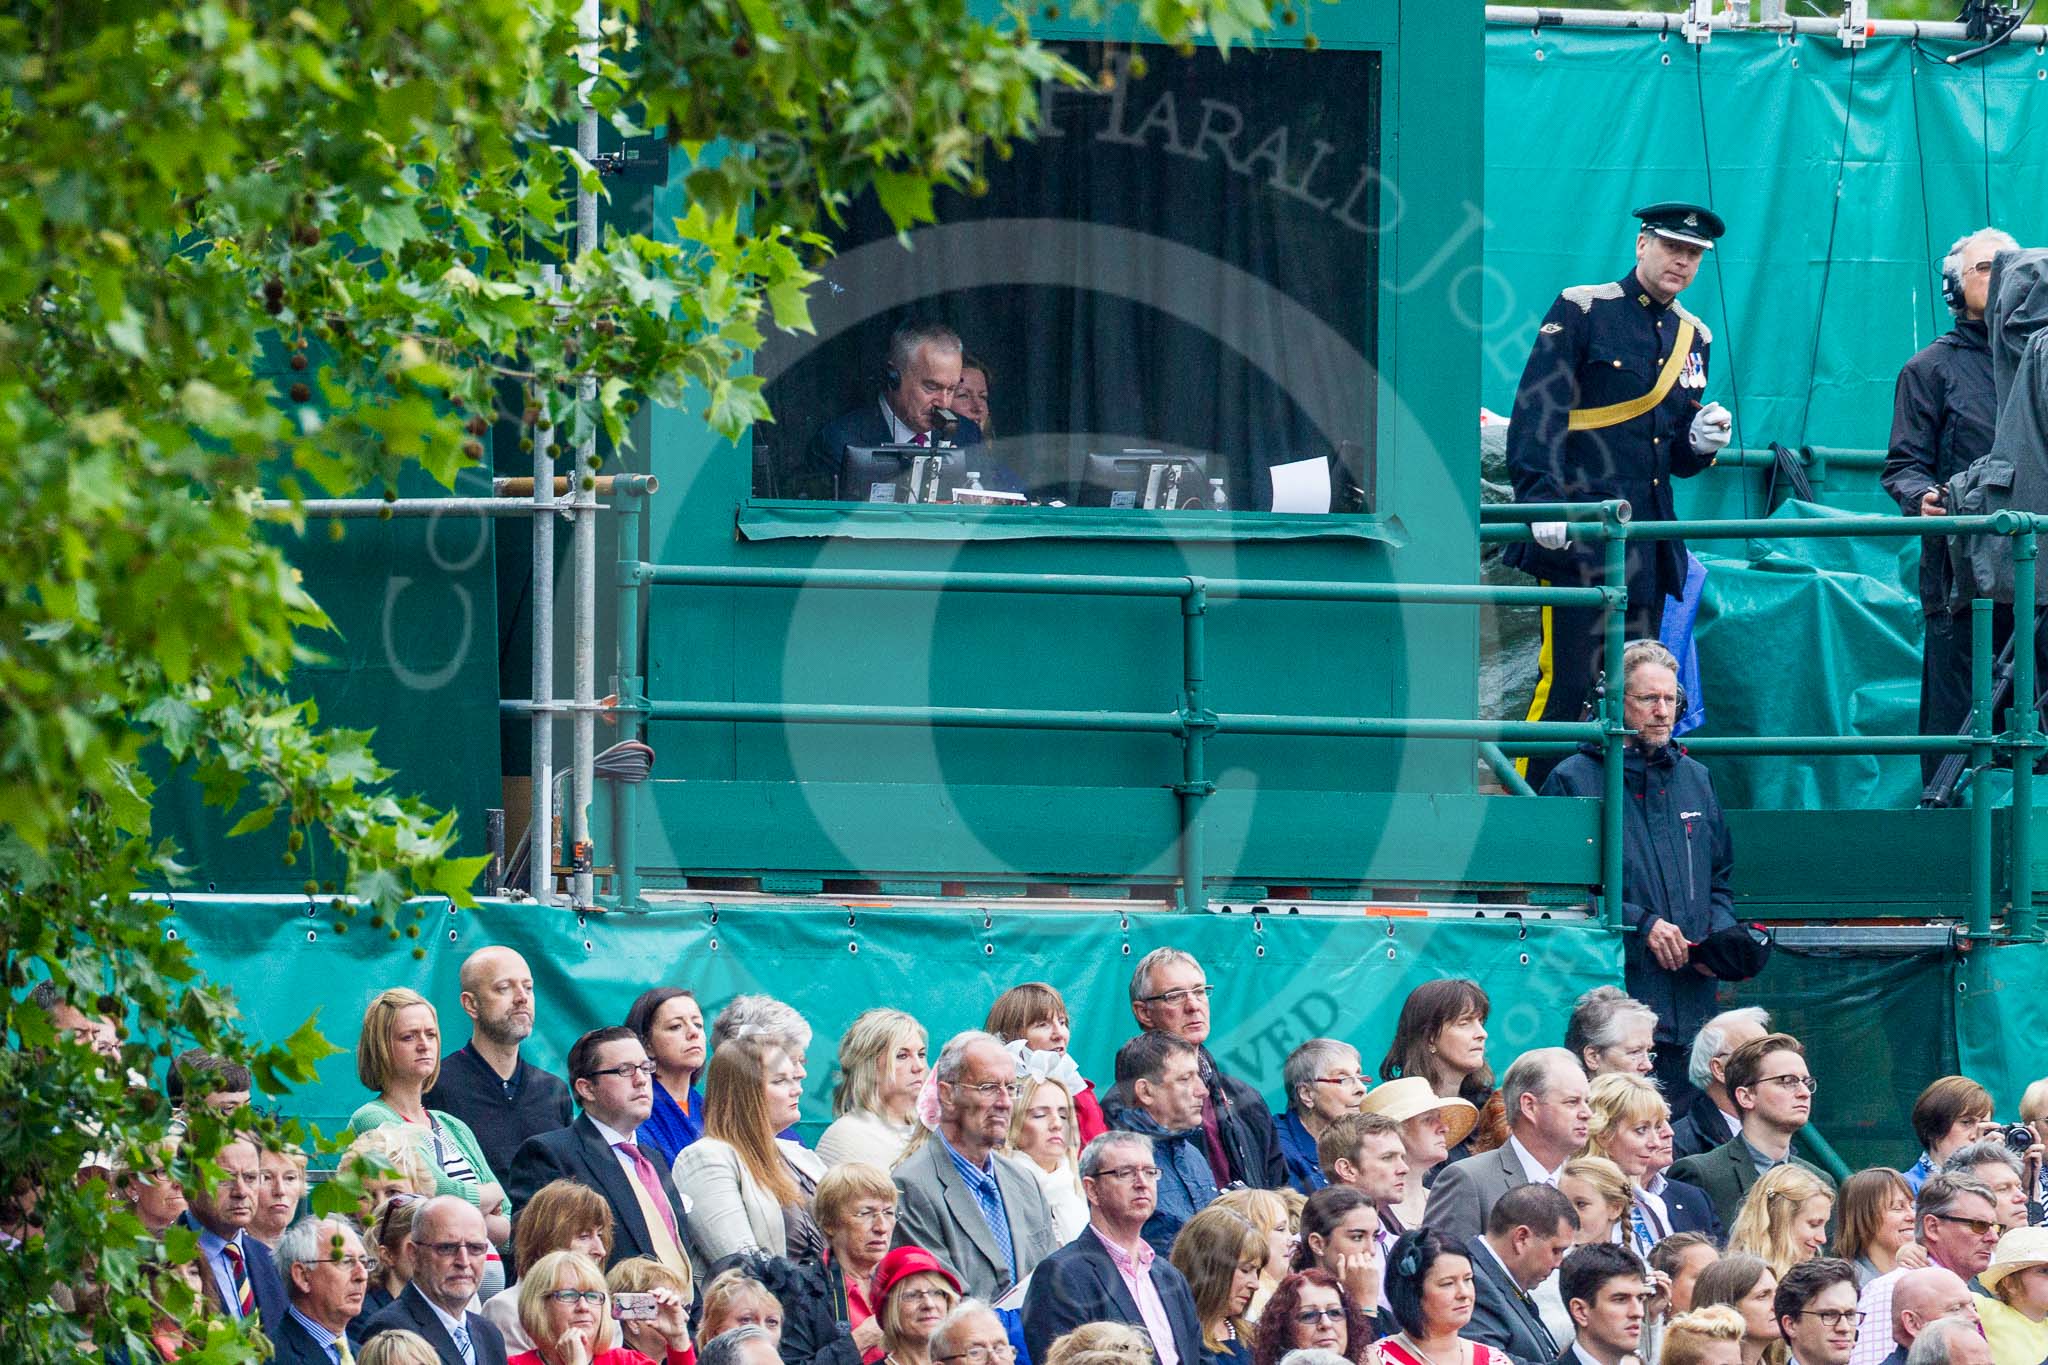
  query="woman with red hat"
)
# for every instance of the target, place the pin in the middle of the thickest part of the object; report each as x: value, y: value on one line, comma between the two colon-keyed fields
x: 913, y: 1294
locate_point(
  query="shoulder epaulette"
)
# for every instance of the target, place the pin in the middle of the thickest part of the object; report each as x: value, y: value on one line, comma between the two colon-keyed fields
x: 1584, y: 294
x: 1698, y: 326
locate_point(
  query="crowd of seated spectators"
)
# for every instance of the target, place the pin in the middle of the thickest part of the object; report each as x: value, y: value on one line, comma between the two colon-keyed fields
x: 985, y: 1204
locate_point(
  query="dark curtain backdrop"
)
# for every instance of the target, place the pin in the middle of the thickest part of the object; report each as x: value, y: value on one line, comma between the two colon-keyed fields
x: 1190, y: 263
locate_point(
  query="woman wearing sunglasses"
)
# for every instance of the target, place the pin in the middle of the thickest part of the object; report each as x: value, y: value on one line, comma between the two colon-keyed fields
x: 567, y: 1313
x: 1310, y: 1310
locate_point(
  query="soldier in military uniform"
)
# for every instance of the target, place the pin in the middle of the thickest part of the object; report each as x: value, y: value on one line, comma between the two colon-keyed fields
x: 1610, y: 407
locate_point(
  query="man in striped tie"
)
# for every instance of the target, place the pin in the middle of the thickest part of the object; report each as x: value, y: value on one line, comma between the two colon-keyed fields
x: 240, y: 1274
x: 449, y: 1246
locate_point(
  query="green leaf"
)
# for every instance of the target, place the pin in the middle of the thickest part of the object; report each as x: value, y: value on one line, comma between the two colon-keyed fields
x: 259, y: 818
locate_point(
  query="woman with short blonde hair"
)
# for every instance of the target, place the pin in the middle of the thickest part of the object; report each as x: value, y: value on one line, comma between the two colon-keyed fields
x: 665, y: 1336
x: 736, y: 1299
x: 565, y: 1309
x: 398, y: 1055
x: 1705, y: 1336
x: 397, y: 1347
x: 882, y: 1065
x: 1101, y: 1343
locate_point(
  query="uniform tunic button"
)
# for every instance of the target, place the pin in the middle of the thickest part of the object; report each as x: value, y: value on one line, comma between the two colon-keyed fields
x: 1617, y: 364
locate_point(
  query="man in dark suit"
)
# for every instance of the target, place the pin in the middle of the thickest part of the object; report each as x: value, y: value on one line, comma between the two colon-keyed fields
x: 239, y: 1274
x: 448, y: 1245
x: 1606, y: 1289
x: 1527, y: 1235
x: 1710, y: 1118
x: 325, y: 1276
x: 1109, y: 1273
x: 1548, y: 1118
x: 1773, y: 1091
x: 921, y: 376
x: 614, y: 1082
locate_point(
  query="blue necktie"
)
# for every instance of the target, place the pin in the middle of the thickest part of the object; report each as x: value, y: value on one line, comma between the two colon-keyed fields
x: 461, y: 1334
x: 1643, y: 1237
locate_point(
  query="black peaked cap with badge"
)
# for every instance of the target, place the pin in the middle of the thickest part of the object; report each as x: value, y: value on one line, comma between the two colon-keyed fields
x: 1690, y: 223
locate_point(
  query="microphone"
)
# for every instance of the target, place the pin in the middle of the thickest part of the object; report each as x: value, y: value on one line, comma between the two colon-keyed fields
x: 945, y: 423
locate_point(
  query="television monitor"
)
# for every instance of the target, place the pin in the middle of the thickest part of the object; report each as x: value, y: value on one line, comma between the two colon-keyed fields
x: 1150, y: 479
x: 900, y: 473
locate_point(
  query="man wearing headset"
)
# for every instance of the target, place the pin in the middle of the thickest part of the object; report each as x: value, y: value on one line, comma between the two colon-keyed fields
x: 1675, y: 864
x: 1944, y: 414
x: 1611, y: 405
x: 918, y: 384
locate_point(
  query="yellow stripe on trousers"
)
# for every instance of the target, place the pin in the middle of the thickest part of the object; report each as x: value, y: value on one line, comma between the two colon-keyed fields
x: 1546, y: 670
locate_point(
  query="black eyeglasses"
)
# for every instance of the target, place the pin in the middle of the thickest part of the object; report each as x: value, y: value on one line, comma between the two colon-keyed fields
x: 626, y: 1071
x: 1833, y: 1317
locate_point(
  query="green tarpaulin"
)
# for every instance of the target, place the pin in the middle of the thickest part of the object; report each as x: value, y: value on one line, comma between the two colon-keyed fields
x: 1279, y: 980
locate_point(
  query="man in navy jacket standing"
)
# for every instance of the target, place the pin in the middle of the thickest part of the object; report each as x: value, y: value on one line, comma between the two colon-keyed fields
x: 1676, y: 858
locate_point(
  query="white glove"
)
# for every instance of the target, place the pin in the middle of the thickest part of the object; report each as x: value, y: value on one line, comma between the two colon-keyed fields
x: 1551, y: 535
x: 1711, y: 427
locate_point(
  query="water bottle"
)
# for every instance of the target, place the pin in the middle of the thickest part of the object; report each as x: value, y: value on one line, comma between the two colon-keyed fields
x: 974, y: 480
x: 1218, y: 499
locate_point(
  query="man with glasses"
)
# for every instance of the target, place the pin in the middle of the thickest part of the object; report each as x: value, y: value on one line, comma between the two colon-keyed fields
x: 448, y: 1246
x: 1325, y: 1082
x: 1606, y: 1289
x: 1944, y: 414
x: 919, y: 379
x: 1170, y: 993
x: 1109, y: 1273
x: 1773, y: 1093
x: 977, y: 1210
x: 1955, y: 1217
x: 326, y: 1275
x: 1817, y: 1314
x: 614, y: 1082
x: 1676, y: 859
x: 972, y: 1334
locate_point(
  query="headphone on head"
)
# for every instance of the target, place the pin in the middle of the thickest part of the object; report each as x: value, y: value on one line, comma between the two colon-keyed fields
x: 1952, y: 275
x: 1657, y: 654
x: 892, y: 378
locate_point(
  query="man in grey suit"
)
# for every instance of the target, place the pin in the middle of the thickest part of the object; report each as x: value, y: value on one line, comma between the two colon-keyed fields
x: 1545, y: 1095
x: 1527, y: 1235
x: 976, y: 1210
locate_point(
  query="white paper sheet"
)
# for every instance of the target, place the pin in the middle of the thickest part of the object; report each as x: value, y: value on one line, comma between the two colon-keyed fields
x: 1302, y: 486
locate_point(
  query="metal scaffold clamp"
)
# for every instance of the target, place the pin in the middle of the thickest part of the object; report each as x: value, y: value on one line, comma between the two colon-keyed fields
x: 1698, y: 23
x: 1856, y: 28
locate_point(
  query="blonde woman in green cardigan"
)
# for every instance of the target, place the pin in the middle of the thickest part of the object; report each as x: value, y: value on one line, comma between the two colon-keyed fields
x: 398, y: 1055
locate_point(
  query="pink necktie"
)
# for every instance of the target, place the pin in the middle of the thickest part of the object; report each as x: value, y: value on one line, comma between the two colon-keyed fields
x: 923, y: 438
x: 649, y: 1181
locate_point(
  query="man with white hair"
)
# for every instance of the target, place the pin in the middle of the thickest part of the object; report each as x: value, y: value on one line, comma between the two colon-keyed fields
x: 325, y: 1276
x: 977, y: 1210
x: 971, y: 1334
x: 919, y: 378
x: 1944, y: 414
x: 1950, y: 1341
x: 1711, y: 1118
